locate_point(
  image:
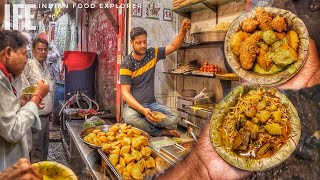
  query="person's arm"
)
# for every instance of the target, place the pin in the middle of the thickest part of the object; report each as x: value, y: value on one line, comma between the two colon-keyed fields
x: 178, y: 40
x: 14, y: 121
x: 204, y: 163
x: 22, y: 169
x: 132, y: 102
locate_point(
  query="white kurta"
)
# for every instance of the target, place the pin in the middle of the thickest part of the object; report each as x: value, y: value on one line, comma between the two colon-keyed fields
x: 14, y: 122
x: 33, y: 71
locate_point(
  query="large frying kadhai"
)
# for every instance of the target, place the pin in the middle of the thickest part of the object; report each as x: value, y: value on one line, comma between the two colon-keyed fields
x: 293, y: 23
x: 252, y: 164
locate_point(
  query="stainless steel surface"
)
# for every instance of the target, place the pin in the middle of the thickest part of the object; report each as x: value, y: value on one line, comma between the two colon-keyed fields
x: 118, y: 176
x: 209, y: 36
x: 104, y: 128
x: 90, y: 157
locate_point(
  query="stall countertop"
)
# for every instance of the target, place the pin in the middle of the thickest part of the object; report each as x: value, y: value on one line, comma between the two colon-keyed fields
x: 90, y: 156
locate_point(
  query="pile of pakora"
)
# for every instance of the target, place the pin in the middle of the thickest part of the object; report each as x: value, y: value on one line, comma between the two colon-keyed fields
x: 257, y: 126
x: 265, y: 45
x: 129, y: 153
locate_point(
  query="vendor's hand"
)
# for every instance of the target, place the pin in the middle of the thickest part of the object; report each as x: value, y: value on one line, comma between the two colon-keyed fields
x: 42, y: 88
x: 149, y: 115
x: 216, y: 166
x: 203, y: 162
x: 186, y: 25
x: 22, y: 170
x: 309, y: 75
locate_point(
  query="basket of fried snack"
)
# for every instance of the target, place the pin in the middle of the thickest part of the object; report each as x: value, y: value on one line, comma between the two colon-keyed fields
x: 267, y: 46
x: 129, y: 156
x: 255, y: 128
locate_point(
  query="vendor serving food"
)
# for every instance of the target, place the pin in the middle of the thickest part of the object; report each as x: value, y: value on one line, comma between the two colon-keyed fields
x: 137, y: 84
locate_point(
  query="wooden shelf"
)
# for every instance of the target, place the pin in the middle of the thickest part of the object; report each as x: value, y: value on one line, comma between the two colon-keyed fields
x: 199, y: 6
x: 203, y: 45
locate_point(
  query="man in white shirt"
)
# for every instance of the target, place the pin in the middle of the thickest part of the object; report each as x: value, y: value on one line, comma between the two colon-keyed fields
x: 36, y: 69
x: 14, y: 119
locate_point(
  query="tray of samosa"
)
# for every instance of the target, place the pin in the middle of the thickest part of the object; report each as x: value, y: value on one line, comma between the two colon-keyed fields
x: 130, y: 157
x: 255, y: 128
x: 98, y: 135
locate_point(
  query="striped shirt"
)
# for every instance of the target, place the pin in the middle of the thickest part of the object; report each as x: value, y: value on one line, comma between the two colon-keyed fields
x: 140, y: 74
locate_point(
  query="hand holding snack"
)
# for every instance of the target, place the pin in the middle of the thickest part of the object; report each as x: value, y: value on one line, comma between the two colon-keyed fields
x: 42, y: 88
x: 186, y: 25
x: 149, y: 115
x: 22, y: 169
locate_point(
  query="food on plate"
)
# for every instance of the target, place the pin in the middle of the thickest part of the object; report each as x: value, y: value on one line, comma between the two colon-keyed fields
x: 159, y: 116
x: 53, y: 170
x: 236, y: 39
x: 279, y: 24
x: 129, y: 152
x: 255, y: 128
x: 269, y: 37
x: 264, y: 19
x: 249, y: 50
x: 279, y: 42
x: 249, y: 25
x: 293, y: 39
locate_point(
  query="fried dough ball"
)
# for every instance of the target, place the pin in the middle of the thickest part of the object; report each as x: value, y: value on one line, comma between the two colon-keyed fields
x: 249, y: 25
x: 279, y: 24
x: 236, y: 39
x: 264, y: 19
x: 249, y: 50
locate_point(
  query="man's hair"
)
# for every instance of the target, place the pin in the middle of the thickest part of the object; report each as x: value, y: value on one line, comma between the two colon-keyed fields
x: 136, y: 32
x: 39, y: 40
x: 13, y: 39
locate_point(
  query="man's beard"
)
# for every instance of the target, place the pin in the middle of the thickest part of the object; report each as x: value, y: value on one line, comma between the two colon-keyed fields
x: 139, y: 53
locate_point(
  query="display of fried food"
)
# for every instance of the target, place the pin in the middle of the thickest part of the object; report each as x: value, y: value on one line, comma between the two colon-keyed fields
x: 129, y: 152
x: 264, y: 19
x: 279, y: 24
x: 249, y: 25
x: 271, y: 47
x: 249, y: 50
x: 236, y: 39
x: 257, y: 126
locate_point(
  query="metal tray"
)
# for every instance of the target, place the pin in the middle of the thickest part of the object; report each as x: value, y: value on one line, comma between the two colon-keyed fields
x: 118, y: 176
x: 104, y: 128
x: 209, y: 36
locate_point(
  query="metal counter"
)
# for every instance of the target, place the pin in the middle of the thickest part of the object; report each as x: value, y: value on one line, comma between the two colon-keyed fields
x: 90, y: 156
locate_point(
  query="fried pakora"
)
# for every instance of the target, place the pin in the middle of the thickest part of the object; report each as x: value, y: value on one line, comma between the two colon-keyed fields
x: 283, y: 56
x: 249, y: 50
x: 281, y: 35
x: 264, y: 19
x: 293, y: 39
x: 269, y: 37
x: 249, y: 25
x: 279, y: 24
x: 236, y: 39
x: 263, y: 60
